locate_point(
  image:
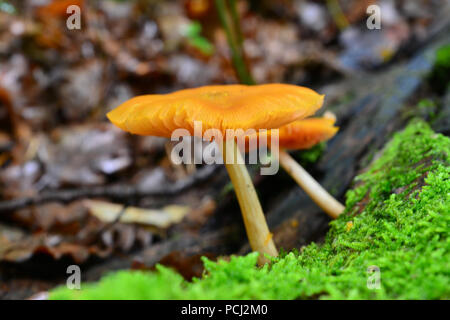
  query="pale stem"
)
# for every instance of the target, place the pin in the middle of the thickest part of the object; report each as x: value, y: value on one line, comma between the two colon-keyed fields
x: 255, y: 223
x: 318, y: 194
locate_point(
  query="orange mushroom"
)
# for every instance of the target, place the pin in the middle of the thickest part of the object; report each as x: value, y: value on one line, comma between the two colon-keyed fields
x: 222, y: 108
x: 303, y: 134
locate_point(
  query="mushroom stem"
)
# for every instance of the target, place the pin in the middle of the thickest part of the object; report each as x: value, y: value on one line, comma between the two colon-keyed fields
x: 255, y: 223
x: 318, y: 194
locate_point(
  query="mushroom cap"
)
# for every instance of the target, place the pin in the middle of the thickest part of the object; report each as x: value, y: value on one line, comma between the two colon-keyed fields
x: 300, y: 134
x: 304, y: 134
x: 218, y: 107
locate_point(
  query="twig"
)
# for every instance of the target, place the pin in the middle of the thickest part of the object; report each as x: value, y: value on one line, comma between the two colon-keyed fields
x: 118, y: 192
x: 236, y: 22
x: 338, y: 15
x: 230, y: 22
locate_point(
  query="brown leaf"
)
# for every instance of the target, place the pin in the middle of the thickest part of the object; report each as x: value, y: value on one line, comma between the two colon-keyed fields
x: 189, y: 266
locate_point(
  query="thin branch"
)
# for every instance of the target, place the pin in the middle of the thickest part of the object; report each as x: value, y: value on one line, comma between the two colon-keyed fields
x: 230, y: 23
x: 117, y: 192
x: 338, y: 15
x: 236, y: 23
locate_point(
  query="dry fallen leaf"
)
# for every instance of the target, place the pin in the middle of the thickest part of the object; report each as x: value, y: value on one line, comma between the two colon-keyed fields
x: 161, y: 218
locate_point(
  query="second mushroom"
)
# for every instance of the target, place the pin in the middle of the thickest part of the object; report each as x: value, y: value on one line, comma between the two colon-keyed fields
x: 300, y: 135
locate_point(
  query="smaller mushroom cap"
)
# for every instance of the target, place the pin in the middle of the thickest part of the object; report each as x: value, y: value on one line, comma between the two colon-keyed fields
x: 302, y: 134
x: 216, y: 107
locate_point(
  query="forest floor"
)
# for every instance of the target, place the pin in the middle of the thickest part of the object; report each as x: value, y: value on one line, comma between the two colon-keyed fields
x: 65, y: 170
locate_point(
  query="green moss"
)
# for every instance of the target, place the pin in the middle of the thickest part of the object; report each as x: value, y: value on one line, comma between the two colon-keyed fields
x: 443, y: 57
x: 195, y: 39
x: 439, y: 77
x: 396, y: 219
x: 7, y: 7
x: 426, y: 109
x: 312, y: 155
